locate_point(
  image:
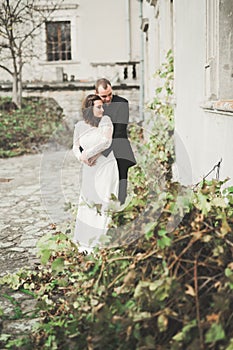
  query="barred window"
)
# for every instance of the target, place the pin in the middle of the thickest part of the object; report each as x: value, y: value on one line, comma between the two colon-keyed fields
x: 219, y: 50
x: 58, y: 41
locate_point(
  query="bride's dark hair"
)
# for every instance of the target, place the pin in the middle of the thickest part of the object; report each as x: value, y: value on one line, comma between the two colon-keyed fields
x: 87, y: 109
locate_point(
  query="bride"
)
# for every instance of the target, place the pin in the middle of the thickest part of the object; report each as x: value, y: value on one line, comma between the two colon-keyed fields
x: 100, y: 177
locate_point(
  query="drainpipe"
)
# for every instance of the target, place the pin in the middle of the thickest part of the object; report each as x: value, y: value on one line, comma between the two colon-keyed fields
x: 142, y: 97
x: 128, y: 28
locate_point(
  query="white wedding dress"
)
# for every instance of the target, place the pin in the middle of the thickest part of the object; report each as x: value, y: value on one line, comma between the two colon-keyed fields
x: 98, y: 183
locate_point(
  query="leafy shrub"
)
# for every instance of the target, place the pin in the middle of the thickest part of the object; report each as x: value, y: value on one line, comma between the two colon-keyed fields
x: 25, y: 130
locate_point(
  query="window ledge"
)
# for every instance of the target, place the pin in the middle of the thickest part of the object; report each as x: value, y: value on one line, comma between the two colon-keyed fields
x: 58, y: 63
x: 222, y: 106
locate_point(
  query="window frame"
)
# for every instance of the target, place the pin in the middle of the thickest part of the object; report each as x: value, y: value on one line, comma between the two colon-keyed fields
x: 219, y: 50
x: 54, y: 50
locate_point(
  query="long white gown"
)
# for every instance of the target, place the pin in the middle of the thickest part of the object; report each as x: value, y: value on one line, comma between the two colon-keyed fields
x: 98, y: 183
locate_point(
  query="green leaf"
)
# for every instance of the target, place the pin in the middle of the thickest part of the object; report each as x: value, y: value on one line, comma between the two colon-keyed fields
x: 203, y: 204
x: 228, y: 272
x: 149, y: 229
x: 12, y: 280
x: 158, y: 90
x: 162, y: 322
x: 230, y: 189
x: 164, y: 241
x: 139, y: 290
x: 230, y: 345
x: 219, y: 202
x: 4, y: 337
x: 179, y: 337
x: 45, y: 255
x: 215, y: 333
x: 58, y: 265
x: 140, y: 316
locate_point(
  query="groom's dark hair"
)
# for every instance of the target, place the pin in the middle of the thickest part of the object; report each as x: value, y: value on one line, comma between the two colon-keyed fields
x: 102, y: 82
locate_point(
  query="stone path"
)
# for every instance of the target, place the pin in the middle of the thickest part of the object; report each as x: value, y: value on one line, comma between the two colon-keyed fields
x: 34, y: 191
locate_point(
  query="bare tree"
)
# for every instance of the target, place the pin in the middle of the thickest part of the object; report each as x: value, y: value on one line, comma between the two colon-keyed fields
x: 20, y: 21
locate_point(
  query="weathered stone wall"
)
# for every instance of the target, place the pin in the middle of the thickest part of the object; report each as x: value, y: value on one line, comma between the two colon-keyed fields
x: 71, y: 100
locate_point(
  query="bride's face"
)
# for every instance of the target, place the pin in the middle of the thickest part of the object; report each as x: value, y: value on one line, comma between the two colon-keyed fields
x: 98, y: 109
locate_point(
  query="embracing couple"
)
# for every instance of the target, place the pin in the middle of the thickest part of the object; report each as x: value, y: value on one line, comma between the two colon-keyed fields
x: 101, y: 144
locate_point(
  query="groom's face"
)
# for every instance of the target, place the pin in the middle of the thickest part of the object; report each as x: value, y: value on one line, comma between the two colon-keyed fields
x: 105, y: 94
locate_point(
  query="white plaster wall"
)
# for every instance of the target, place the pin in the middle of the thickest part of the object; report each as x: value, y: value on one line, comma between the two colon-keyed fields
x: 135, y: 29
x: 151, y: 51
x: 103, y: 28
x: 166, y: 28
x: 218, y: 144
x: 103, y: 38
x: 202, y: 138
x: 189, y: 57
x: 157, y: 42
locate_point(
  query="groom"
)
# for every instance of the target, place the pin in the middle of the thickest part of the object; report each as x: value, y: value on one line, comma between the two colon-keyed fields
x: 117, y: 108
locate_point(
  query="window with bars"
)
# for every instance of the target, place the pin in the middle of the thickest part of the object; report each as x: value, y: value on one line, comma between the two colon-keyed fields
x: 219, y: 50
x: 58, y: 41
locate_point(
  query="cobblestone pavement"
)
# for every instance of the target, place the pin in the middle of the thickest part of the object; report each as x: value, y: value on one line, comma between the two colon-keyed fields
x: 35, y: 190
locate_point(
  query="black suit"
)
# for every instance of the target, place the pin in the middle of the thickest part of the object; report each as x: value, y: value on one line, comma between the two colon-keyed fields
x: 118, y: 111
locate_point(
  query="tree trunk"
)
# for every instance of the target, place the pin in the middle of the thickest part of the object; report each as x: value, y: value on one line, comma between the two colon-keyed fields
x: 17, y: 91
x: 20, y: 91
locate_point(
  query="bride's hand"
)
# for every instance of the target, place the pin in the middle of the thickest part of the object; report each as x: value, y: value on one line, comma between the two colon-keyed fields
x: 92, y: 160
x: 84, y: 159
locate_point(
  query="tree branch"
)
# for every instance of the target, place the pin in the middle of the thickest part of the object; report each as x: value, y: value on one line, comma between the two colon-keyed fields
x: 198, y: 304
x: 7, y: 69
